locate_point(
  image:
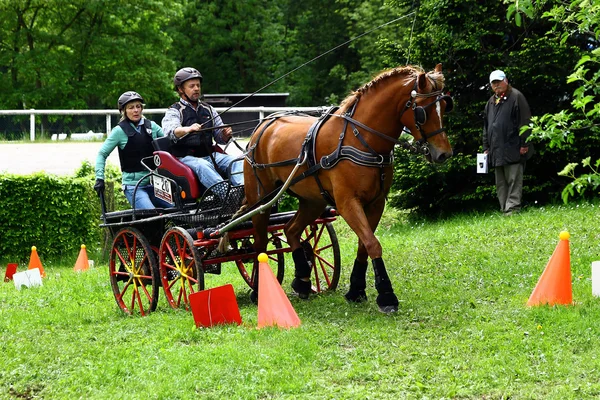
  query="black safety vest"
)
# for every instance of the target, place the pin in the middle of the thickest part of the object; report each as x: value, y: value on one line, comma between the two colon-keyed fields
x: 194, y: 144
x: 139, y: 145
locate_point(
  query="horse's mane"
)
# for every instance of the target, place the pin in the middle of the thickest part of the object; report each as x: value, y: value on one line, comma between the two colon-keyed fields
x: 409, y: 72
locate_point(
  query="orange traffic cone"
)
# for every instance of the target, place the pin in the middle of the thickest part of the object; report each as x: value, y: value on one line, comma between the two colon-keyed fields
x: 554, y: 286
x: 215, y: 306
x: 274, y: 308
x: 34, y: 262
x: 82, y: 263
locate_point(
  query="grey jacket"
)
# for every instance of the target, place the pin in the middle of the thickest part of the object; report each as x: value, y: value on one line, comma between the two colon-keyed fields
x: 502, y: 122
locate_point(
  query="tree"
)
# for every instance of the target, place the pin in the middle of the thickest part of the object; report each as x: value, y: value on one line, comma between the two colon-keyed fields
x: 234, y: 44
x: 580, y: 121
x: 62, y: 54
x: 472, y: 38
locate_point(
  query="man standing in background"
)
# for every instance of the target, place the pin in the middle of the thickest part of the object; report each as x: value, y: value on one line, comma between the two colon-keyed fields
x: 505, y: 113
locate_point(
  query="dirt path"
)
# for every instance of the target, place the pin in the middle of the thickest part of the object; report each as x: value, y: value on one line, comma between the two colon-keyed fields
x: 54, y: 158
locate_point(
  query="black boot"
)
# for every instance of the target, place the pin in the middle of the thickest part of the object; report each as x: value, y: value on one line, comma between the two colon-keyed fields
x: 358, y: 283
x: 303, y: 288
x: 386, y: 299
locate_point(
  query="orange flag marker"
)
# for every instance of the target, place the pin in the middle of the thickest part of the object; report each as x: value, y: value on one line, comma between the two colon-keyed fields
x: 82, y: 263
x: 274, y: 308
x: 216, y: 306
x: 11, y: 268
x: 554, y: 286
x: 34, y: 262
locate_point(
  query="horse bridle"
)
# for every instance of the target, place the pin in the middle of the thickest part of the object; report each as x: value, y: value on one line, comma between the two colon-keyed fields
x: 420, y: 118
x: 420, y: 114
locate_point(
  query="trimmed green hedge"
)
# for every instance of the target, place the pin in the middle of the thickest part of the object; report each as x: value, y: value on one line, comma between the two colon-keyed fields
x: 57, y: 214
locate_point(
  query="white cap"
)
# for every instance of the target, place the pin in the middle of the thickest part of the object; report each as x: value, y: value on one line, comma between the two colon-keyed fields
x: 497, y: 75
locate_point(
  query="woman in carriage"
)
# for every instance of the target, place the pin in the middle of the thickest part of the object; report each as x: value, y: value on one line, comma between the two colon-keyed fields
x: 133, y: 136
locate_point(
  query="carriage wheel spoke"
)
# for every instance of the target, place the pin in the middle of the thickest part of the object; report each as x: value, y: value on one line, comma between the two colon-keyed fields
x: 180, y: 267
x: 248, y: 266
x: 325, y: 256
x: 132, y: 272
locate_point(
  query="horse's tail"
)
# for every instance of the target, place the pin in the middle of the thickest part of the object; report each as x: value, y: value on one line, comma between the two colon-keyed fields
x: 224, y: 241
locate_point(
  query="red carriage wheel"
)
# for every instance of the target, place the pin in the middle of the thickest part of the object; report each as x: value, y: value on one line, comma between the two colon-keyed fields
x: 133, y: 272
x: 180, y: 267
x: 248, y: 267
x: 323, y: 251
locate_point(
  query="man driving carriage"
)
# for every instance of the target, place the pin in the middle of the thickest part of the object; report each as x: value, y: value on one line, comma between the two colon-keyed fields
x: 189, y: 123
x: 133, y: 136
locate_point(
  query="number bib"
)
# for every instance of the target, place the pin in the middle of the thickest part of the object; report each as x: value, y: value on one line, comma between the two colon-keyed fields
x: 162, y: 188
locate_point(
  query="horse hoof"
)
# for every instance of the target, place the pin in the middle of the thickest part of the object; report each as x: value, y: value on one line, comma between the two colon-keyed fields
x: 356, y: 296
x: 387, y: 302
x: 388, y: 309
x: 303, y: 288
x: 254, y: 297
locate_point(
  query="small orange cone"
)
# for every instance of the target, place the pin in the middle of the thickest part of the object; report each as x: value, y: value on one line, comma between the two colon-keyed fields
x: 82, y: 263
x: 274, y: 308
x: 216, y: 306
x: 554, y: 286
x: 34, y: 262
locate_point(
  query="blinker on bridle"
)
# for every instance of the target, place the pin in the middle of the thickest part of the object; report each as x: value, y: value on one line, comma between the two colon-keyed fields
x: 420, y: 115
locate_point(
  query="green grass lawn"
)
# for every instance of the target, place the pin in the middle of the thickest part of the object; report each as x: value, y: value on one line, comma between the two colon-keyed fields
x: 463, y: 330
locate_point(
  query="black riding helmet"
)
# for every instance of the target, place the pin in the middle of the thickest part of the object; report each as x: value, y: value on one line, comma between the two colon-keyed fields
x: 128, y: 97
x: 185, y: 74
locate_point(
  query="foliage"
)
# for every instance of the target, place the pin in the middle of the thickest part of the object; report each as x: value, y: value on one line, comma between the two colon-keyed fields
x: 115, y: 199
x: 462, y: 331
x: 244, y: 46
x: 563, y: 130
x: 55, y: 214
x: 433, y: 190
x: 472, y: 38
x: 226, y: 39
x: 581, y: 183
x: 63, y: 55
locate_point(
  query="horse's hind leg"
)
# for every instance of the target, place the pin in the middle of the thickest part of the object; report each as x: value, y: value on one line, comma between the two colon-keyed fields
x: 302, y: 252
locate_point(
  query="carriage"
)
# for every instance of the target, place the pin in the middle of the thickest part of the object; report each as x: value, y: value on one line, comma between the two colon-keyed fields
x: 342, y: 158
x: 172, y: 249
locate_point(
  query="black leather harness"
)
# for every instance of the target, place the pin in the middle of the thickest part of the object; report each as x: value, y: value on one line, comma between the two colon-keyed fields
x: 368, y: 158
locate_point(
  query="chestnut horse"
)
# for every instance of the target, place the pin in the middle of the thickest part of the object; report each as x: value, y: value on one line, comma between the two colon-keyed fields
x: 349, y: 153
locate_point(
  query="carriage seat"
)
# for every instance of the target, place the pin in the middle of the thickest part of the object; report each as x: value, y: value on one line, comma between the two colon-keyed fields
x: 169, y: 166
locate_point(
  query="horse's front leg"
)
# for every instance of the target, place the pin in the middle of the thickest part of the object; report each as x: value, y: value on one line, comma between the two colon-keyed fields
x: 302, y: 252
x: 358, y: 278
x: 363, y: 223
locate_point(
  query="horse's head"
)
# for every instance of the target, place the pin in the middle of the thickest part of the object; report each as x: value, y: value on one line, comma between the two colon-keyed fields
x: 423, y: 115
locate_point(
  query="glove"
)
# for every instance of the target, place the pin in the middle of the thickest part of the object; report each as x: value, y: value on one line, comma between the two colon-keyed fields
x: 99, y: 186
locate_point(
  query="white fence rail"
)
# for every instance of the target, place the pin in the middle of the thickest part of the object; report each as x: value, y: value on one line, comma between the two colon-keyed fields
x: 109, y: 113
